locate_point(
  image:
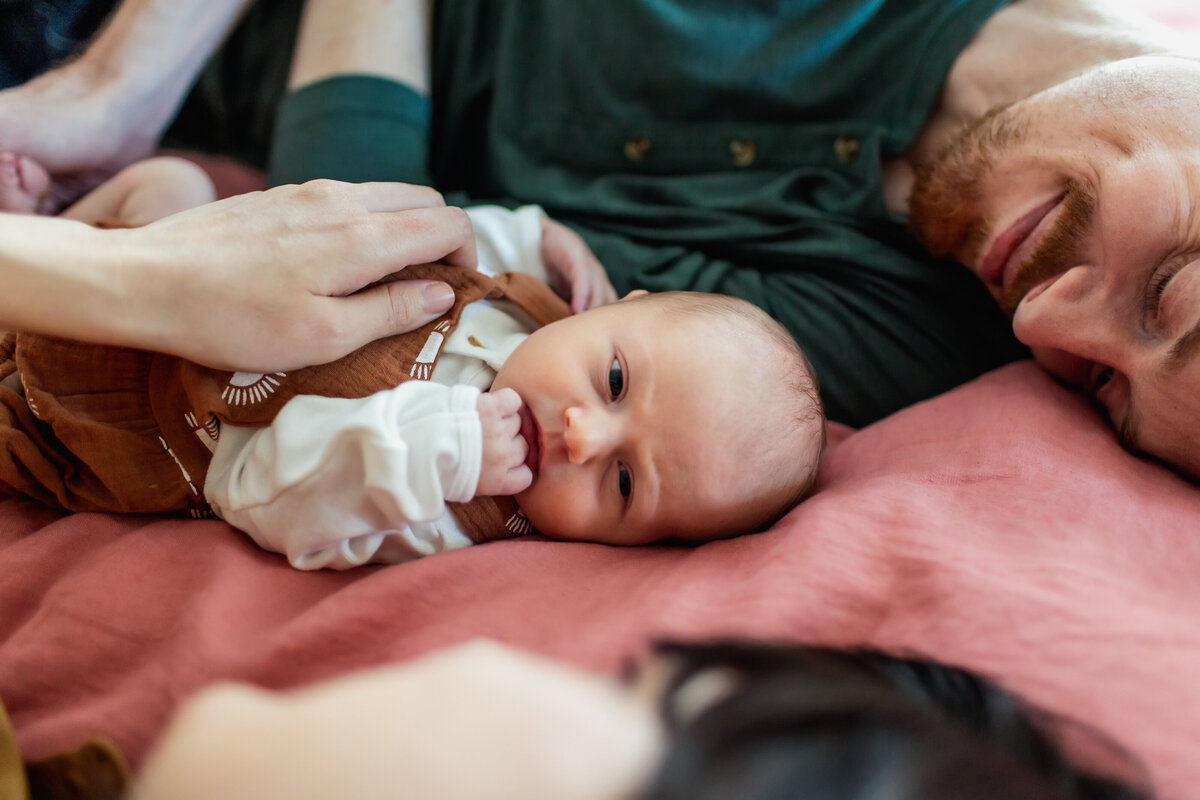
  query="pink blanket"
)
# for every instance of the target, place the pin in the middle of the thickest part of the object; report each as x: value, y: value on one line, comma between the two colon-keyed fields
x: 998, y: 527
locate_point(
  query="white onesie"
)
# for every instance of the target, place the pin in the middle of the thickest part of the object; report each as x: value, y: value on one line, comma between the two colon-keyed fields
x: 337, y: 482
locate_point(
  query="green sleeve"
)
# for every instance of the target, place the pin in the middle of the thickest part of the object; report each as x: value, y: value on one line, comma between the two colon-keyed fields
x: 352, y: 128
x: 883, y: 326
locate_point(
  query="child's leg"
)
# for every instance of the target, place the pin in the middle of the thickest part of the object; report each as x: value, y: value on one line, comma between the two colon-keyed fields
x: 82, y: 435
x: 144, y: 192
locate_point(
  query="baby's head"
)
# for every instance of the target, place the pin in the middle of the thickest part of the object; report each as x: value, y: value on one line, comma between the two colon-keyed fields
x: 667, y: 416
x: 24, y: 185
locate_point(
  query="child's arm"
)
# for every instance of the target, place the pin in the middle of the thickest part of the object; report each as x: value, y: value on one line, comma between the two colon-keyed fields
x: 144, y: 192
x: 337, y: 482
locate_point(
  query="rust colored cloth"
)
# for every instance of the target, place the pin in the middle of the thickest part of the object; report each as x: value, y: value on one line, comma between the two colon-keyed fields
x: 116, y: 429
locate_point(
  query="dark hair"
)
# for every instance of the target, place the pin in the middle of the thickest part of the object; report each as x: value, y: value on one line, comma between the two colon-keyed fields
x: 820, y: 724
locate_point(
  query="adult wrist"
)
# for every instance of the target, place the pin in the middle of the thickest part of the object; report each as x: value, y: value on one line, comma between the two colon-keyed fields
x: 63, y: 278
x: 107, y: 69
x: 140, y: 299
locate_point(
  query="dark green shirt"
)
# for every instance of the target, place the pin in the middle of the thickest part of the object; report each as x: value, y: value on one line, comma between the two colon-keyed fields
x: 731, y: 147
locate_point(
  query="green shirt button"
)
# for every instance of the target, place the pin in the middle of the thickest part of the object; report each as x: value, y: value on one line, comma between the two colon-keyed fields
x: 637, y: 148
x: 847, y: 149
x: 743, y: 152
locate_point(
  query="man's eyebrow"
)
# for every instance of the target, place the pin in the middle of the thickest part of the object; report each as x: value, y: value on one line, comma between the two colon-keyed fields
x: 1184, y: 350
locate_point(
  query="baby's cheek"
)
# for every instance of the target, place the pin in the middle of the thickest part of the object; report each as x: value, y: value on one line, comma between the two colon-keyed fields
x: 558, y: 509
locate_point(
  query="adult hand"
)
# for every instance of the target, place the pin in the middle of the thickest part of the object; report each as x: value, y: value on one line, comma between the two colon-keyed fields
x: 274, y: 280
x: 68, y: 121
x: 504, y: 471
x: 261, y: 282
x: 100, y: 112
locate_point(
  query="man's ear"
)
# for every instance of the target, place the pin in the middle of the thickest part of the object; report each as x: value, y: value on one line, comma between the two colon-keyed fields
x: 633, y: 294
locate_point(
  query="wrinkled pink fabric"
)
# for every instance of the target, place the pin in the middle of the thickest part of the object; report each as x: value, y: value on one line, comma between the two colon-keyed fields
x: 998, y: 527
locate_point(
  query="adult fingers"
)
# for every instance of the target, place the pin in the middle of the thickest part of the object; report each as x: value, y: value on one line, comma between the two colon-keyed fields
x: 424, y: 235
x: 394, y: 307
x: 396, y: 196
x: 376, y: 245
x: 393, y: 197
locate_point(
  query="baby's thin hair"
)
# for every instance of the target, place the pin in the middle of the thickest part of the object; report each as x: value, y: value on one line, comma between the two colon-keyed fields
x: 797, y: 380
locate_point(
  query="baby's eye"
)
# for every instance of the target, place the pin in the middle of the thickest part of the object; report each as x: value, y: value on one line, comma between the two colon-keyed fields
x: 616, y: 379
x: 1099, y: 378
x: 624, y: 481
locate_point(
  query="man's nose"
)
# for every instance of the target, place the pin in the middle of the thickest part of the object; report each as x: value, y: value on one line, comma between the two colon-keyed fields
x: 587, y: 434
x: 1074, y: 315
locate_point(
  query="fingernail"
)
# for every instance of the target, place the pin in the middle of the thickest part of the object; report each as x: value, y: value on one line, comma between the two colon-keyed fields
x: 438, y: 297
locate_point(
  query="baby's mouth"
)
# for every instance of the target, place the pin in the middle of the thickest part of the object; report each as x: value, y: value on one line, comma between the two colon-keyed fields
x: 532, y: 433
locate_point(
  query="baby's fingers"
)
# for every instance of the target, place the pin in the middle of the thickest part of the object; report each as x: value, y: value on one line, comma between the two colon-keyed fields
x: 591, y: 288
x: 505, y: 401
x: 506, y: 476
x: 517, y: 480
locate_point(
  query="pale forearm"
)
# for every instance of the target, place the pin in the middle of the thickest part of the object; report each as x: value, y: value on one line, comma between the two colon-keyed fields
x: 389, y: 38
x: 258, y: 282
x: 63, y: 278
x: 150, y: 51
x: 108, y: 108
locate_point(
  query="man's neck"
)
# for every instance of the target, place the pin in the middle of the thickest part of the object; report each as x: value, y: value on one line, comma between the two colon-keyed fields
x: 1026, y: 47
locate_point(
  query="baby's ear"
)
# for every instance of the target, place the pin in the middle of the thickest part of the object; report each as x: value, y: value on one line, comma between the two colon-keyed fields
x: 633, y: 294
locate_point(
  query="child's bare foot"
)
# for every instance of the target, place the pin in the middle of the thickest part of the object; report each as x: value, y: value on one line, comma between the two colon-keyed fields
x: 24, y: 185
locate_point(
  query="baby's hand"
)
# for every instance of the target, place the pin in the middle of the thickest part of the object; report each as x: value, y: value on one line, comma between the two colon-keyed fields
x: 575, y: 274
x: 504, y: 471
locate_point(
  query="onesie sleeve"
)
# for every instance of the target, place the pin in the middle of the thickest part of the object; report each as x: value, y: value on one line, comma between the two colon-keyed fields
x: 338, y: 482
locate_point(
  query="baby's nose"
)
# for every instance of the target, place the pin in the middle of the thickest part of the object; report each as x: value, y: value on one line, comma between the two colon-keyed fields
x: 585, y: 434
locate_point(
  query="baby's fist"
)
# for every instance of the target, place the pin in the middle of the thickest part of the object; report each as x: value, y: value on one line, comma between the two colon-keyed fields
x: 575, y: 272
x: 504, y: 448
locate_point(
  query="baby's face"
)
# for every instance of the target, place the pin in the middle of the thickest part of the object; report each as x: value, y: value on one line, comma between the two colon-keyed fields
x: 24, y: 185
x: 634, y: 420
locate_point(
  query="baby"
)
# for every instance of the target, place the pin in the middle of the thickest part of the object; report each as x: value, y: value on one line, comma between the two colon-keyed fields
x: 137, y: 195
x: 680, y: 416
